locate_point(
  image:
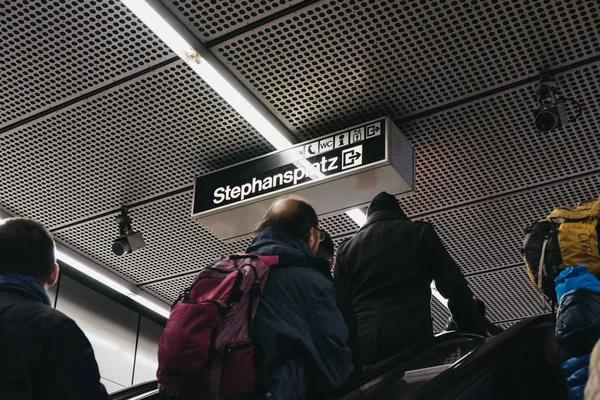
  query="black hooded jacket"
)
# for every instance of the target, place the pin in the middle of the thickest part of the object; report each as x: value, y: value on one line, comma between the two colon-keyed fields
x: 383, y: 276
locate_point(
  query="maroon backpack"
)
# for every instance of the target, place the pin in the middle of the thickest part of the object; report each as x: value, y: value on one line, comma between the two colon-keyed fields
x: 206, y: 350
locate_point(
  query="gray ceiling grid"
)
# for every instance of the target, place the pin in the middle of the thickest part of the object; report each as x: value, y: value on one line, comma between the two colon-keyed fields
x: 53, y: 51
x: 175, y: 244
x: 135, y: 141
x: 455, y: 76
x: 440, y: 315
x: 506, y: 325
x: 214, y: 18
x: 489, y: 234
x: 337, y: 63
x: 169, y: 290
x: 489, y: 146
x: 508, y: 294
x: 338, y: 225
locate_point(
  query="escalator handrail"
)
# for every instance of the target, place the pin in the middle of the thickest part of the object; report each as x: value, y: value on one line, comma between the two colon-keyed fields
x: 135, y: 390
x: 375, y: 372
x: 498, y: 349
x: 365, y: 377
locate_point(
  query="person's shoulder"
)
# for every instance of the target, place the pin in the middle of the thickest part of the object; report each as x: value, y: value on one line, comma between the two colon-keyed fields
x: 38, y: 318
x: 54, y: 320
x: 423, y: 226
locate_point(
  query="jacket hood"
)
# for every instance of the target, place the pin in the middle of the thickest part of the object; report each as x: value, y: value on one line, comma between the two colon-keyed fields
x: 576, y: 277
x: 385, y: 202
x: 275, y: 242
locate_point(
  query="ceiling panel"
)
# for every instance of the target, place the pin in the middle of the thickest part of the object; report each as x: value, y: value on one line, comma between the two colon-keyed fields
x: 490, y: 146
x: 506, y: 325
x: 338, y: 63
x: 175, y: 244
x: 490, y: 234
x: 508, y: 294
x: 135, y: 141
x: 170, y: 289
x: 53, y: 51
x: 440, y: 315
x: 338, y: 225
x: 211, y: 19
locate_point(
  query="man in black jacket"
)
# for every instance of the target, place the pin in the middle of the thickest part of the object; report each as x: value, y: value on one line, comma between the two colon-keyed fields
x: 383, y: 277
x: 44, y: 353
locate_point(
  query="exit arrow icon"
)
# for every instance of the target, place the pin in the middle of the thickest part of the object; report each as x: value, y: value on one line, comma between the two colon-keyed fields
x: 352, y: 157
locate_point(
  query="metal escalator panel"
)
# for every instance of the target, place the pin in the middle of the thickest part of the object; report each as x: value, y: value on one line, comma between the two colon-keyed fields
x: 413, y: 368
x: 142, y: 391
x: 518, y: 364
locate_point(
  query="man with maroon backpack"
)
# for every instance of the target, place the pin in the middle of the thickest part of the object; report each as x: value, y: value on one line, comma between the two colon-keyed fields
x: 265, y: 322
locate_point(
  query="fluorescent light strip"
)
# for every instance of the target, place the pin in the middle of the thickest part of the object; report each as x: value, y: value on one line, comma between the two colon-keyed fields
x: 438, y: 295
x: 207, y: 72
x: 111, y: 283
x: 216, y: 81
x: 92, y: 273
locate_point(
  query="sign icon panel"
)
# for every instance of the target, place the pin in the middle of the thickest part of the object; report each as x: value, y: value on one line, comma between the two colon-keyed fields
x: 342, y: 140
x: 357, y: 134
x: 373, y: 130
x: 311, y: 149
x: 352, y: 157
x: 326, y: 145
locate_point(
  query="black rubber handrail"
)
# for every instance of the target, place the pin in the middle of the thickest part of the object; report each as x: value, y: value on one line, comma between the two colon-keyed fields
x: 499, y: 349
x: 393, y: 367
x: 375, y: 372
x: 136, y: 390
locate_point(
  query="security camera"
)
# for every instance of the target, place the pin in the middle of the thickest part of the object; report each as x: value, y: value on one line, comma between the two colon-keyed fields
x: 551, y: 112
x: 128, y: 241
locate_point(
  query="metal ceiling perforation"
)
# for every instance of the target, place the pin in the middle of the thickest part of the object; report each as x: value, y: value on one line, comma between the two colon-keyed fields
x: 440, y: 315
x: 508, y: 294
x: 337, y: 225
x: 338, y: 63
x: 490, y: 234
x: 175, y: 244
x: 151, y: 136
x: 506, y: 325
x: 55, y: 50
x: 213, y: 18
x: 490, y: 146
x: 170, y: 289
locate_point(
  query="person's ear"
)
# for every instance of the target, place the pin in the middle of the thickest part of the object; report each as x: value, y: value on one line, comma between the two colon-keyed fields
x: 313, y: 240
x: 53, y: 275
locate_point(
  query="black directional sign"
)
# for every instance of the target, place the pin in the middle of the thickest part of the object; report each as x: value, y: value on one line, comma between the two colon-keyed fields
x: 339, y: 153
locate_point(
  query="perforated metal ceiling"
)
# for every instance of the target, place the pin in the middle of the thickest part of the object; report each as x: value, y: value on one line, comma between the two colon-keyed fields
x: 53, y: 51
x: 214, y: 18
x: 132, y: 142
x: 339, y: 63
x: 129, y: 123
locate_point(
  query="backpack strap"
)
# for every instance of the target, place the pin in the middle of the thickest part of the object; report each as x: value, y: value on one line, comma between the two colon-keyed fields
x: 284, y: 260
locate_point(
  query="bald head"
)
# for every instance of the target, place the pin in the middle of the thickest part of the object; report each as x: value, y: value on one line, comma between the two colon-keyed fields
x: 293, y: 216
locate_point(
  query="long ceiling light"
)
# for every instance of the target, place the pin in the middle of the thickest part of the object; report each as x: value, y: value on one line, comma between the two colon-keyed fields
x: 77, y: 262
x: 212, y: 75
x: 111, y: 283
x: 153, y: 20
x: 146, y: 10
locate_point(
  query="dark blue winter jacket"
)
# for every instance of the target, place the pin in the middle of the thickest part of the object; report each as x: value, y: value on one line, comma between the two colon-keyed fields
x: 298, y: 316
x: 577, y: 324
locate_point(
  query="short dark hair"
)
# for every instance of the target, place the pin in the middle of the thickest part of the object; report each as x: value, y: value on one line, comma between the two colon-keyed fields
x: 293, y: 216
x: 26, y: 247
x: 326, y: 248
